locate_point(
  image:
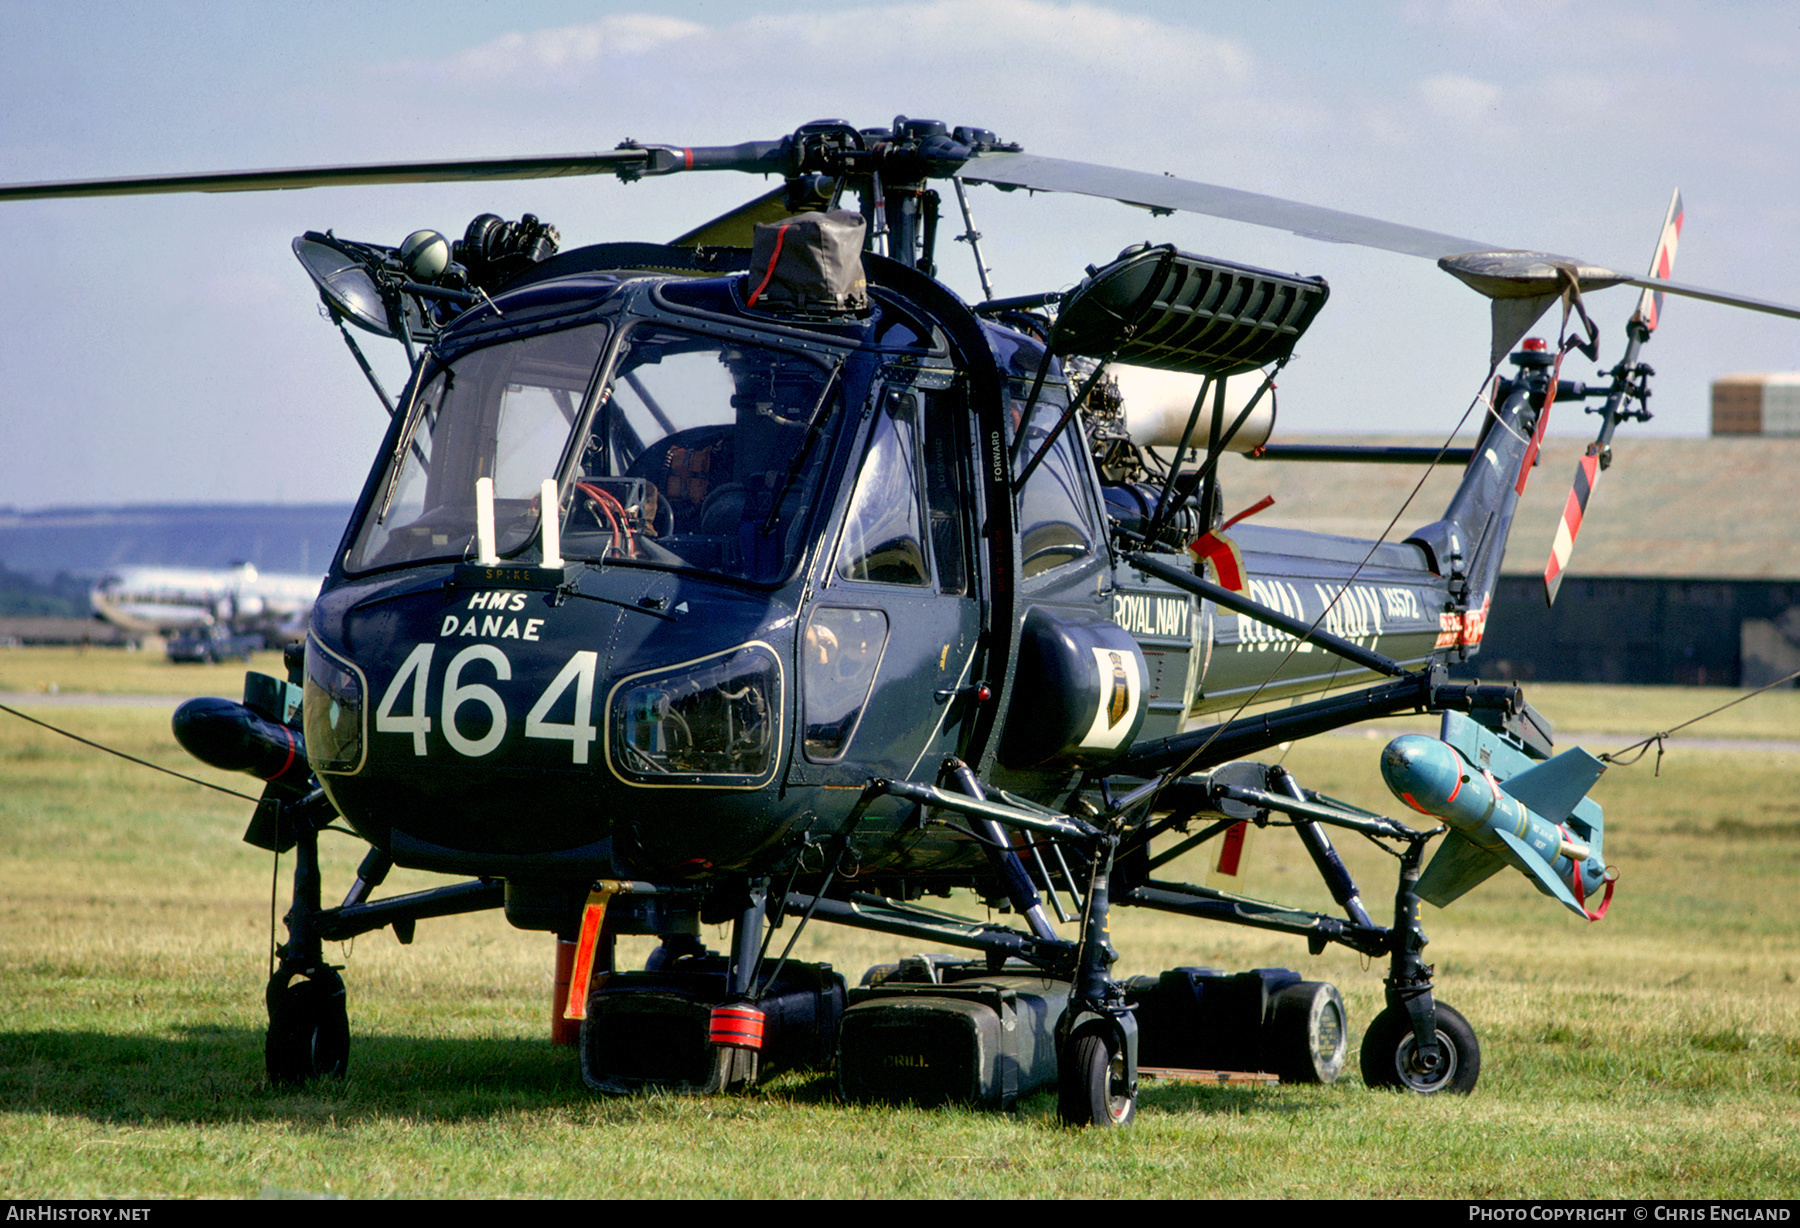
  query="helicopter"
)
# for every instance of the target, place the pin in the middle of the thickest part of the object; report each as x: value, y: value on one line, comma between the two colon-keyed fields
x: 756, y: 576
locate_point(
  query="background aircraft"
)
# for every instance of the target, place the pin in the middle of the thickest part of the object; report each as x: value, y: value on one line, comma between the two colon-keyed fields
x: 160, y: 600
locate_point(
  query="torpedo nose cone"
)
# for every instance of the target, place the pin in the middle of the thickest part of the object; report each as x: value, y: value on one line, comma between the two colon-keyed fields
x: 1407, y: 750
x: 1422, y: 771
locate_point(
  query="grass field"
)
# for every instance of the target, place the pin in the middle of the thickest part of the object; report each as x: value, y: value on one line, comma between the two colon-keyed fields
x: 112, y: 671
x: 1656, y: 1054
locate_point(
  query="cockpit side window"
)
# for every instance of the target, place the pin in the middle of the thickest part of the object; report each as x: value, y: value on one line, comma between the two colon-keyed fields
x: 884, y: 538
x: 947, y: 489
x: 1056, y: 522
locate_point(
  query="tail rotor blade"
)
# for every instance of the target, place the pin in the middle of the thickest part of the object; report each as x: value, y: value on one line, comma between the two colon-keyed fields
x: 1662, y: 266
x: 1587, y: 475
x: 1638, y: 329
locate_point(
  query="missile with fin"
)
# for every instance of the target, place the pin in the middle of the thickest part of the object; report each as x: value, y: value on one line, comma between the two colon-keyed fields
x: 1539, y: 821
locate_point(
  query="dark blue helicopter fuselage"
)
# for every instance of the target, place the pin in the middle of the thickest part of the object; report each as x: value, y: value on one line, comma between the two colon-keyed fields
x: 771, y: 592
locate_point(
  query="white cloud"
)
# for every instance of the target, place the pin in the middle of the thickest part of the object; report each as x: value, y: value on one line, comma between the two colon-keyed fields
x: 1460, y: 100
x: 1015, y: 56
x: 1490, y: 16
x: 533, y: 57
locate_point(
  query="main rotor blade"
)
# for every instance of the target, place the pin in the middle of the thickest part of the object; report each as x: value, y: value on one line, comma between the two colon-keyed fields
x: 1536, y: 275
x: 458, y: 170
x: 1021, y: 170
x: 1711, y: 296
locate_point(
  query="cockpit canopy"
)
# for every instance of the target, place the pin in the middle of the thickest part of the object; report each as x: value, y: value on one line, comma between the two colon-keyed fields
x: 684, y: 450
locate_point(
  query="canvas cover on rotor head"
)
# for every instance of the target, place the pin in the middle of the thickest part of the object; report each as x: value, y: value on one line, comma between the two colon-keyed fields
x: 810, y: 262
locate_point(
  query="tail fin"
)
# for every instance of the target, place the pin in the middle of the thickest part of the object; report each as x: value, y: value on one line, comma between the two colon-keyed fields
x: 1458, y: 867
x: 1554, y: 789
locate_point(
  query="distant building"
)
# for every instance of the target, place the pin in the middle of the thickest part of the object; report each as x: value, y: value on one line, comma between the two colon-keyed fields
x: 1686, y: 569
x: 91, y: 541
x: 1767, y: 404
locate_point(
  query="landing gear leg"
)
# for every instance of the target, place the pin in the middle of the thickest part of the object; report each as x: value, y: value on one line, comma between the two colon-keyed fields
x: 1096, y: 1050
x: 736, y: 1021
x: 309, y: 1027
x: 1417, y: 1044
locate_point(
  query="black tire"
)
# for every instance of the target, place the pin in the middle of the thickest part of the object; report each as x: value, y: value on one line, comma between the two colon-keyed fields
x: 309, y: 1028
x: 1308, y: 1039
x: 1388, y: 1047
x: 1091, y: 1087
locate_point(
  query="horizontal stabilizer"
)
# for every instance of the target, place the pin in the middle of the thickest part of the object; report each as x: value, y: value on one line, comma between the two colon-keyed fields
x: 1457, y: 867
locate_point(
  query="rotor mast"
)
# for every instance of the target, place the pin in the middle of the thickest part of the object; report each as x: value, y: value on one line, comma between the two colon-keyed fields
x: 888, y: 169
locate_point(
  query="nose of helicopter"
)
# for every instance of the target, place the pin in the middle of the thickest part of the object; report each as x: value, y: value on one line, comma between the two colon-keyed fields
x: 572, y: 722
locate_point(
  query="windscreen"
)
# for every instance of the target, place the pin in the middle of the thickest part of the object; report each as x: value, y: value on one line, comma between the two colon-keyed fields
x: 504, y: 412
x: 693, y: 452
x: 703, y: 453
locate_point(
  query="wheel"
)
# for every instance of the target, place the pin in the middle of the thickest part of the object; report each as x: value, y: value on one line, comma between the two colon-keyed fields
x: 1388, y: 1050
x: 1091, y: 1086
x: 309, y: 1028
x: 1308, y: 1038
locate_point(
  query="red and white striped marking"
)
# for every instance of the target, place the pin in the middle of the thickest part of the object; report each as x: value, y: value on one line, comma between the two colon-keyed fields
x: 1587, y: 473
x: 1662, y: 266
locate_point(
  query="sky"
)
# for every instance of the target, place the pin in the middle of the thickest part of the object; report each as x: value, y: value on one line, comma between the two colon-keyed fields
x: 170, y: 348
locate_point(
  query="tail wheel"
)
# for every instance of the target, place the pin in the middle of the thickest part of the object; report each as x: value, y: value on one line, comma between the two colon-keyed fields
x: 1390, y: 1055
x: 309, y: 1028
x: 1092, y: 1088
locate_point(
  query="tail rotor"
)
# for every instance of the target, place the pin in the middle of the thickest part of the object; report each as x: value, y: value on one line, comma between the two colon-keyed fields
x: 1626, y: 399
